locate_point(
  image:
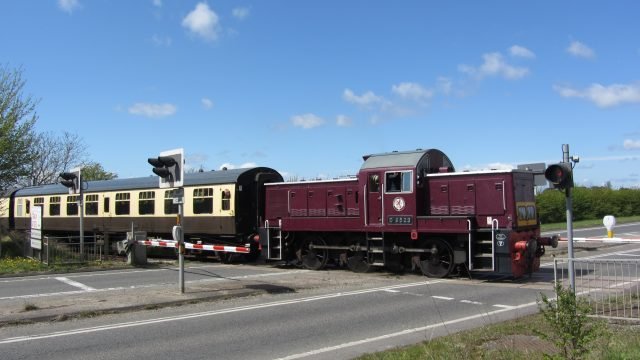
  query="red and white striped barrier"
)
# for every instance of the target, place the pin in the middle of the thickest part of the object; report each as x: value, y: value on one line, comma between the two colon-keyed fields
x: 604, y: 240
x: 174, y: 244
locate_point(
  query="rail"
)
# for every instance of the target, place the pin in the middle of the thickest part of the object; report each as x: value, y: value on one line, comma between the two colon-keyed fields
x: 611, y: 286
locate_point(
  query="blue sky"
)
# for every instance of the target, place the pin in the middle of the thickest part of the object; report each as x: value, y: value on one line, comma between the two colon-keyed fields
x: 308, y: 87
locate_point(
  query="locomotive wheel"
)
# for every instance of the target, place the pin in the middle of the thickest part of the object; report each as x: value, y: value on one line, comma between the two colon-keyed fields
x: 313, y: 259
x: 437, y: 263
x: 358, y: 263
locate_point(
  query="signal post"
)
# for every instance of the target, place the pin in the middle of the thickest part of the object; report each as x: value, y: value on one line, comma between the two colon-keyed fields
x: 169, y: 167
x: 73, y: 180
x: 561, y: 177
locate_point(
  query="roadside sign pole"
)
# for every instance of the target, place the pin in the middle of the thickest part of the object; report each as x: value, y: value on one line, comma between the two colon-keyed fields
x: 181, y: 246
x: 81, y: 209
x: 569, y: 200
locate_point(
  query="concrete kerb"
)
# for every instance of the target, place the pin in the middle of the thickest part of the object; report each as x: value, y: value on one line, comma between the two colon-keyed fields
x: 93, y: 303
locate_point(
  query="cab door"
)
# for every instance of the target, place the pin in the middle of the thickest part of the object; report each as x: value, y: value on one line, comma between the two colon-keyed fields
x: 373, y: 195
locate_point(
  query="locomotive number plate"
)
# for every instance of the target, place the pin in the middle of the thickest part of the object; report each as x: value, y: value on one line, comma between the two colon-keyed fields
x: 399, y: 220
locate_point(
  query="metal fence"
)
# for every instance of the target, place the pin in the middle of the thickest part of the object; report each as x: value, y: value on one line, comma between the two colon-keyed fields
x: 69, y: 249
x: 611, y: 287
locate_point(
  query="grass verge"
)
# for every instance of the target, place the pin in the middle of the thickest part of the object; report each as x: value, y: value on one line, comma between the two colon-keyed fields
x: 514, y: 339
x: 20, y: 265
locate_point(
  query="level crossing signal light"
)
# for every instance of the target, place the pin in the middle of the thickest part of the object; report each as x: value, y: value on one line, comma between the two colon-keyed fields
x: 560, y: 175
x: 71, y: 180
x: 168, y: 166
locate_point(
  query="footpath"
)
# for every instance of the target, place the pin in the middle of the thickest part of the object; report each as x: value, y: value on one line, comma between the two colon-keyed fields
x: 86, y: 303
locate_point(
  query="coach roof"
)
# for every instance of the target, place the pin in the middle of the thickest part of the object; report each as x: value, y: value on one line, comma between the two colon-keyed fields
x: 149, y: 182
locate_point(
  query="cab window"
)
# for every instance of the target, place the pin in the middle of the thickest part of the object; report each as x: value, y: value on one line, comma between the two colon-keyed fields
x: 398, y: 181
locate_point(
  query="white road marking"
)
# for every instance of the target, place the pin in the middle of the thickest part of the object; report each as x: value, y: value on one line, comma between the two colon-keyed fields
x: 392, y: 291
x: 443, y: 297
x: 503, y: 306
x: 213, y: 313
x: 75, y: 283
x: 471, y: 302
x: 400, y: 333
x: 66, y: 293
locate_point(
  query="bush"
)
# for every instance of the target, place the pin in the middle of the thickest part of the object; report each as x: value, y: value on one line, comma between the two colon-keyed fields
x: 588, y: 204
x: 573, y: 332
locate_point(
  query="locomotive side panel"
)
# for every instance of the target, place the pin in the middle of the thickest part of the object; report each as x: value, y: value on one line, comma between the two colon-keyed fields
x: 314, y: 206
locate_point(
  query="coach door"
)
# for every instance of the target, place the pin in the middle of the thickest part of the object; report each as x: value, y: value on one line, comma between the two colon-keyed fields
x: 373, y: 196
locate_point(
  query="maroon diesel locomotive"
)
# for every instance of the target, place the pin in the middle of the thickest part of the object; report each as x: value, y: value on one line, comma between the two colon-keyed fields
x: 408, y: 210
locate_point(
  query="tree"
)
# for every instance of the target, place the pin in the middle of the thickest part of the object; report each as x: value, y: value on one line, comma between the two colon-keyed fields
x: 53, y: 155
x: 17, y: 118
x: 94, y: 171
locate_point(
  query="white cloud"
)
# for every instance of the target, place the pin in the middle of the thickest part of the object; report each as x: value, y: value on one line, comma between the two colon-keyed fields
x: 207, y: 103
x: 161, y: 41
x: 412, y: 91
x: 343, y: 121
x: 366, y: 99
x: 521, y: 51
x: 157, y: 3
x: 576, y: 48
x: 486, y: 167
x: 203, y: 21
x: 494, y: 65
x: 68, y: 5
x: 241, y: 13
x: 152, y: 110
x: 603, y: 96
x: 306, y: 121
x: 230, y: 166
x: 445, y: 85
x: 631, y: 144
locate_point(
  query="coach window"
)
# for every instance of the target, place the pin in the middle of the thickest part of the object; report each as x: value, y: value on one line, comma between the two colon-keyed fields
x: 27, y: 207
x: 105, y: 205
x: 91, y: 204
x: 72, y: 205
x: 54, y: 206
x: 123, y: 203
x: 398, y: 181
x: 19, y: 207
x: 203, y: 201
x: 146, y: 203
x: 169, y: 206
x: 226, y: 199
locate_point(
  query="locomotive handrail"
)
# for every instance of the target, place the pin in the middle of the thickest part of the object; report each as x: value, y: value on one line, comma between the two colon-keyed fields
x: 493, y: 242
x: 366, y: 197
x: 470, y: 255
x: 504, y: 198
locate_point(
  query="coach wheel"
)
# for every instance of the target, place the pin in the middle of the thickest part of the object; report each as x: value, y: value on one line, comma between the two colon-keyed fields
x: 357, y: 262
x: 312, y: 258
x: 438, y: 261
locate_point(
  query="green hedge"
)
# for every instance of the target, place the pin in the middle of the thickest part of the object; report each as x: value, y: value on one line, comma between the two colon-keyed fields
x: 588, y: 203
